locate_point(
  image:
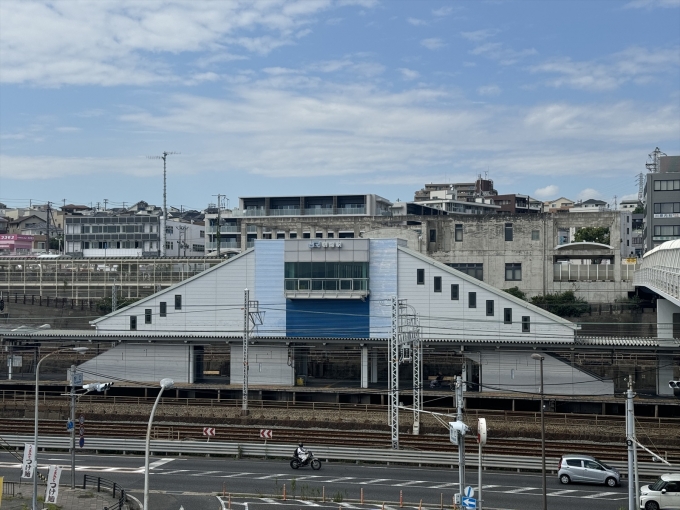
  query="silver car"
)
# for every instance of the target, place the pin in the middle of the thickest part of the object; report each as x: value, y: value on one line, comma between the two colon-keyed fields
x: 586, y: 469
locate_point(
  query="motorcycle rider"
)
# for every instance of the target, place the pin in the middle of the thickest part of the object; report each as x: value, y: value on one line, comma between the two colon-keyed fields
x: 301, y: 453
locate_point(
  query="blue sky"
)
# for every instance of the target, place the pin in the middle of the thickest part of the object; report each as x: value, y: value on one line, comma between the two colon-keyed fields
x: 550, y: 98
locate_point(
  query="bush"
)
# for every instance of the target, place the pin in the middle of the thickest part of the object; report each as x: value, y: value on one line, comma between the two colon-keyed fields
x: 515, y: 291
x: 564, y: 304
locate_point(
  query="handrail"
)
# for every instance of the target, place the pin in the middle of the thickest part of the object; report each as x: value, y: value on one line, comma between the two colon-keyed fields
x: 377, y: 455
x: 112, y: 486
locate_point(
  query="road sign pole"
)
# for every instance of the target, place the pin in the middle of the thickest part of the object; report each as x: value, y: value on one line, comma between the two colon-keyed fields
x: 461, y: 437
x: 73, y: 427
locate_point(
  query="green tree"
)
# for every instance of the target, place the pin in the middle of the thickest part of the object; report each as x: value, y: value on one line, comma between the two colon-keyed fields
x: 515, y: 291
x: 592, y: 235
x: 564, y: 304
x: 639, y: 210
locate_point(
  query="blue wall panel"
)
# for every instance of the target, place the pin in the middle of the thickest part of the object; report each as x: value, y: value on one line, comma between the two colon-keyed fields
x: 327, y: 318
x: 269, y: 287
x: 383, y: 285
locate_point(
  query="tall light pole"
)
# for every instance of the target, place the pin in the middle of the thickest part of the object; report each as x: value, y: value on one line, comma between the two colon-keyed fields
x: 164, y: 219
x: 37, y: 400
x: 545, y: 497
x: 166, y: 384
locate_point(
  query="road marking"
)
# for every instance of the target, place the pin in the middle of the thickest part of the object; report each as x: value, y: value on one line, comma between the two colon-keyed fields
x: 205, y: 473
x: 268, y: 476
x: 599, y: 495
x: 157, y: 463
x: 559, y: 493
x: 374, y: 481
x: 348, y: 505
x: 412, y: 482
x: 307, y: 477
x: 489, y: 486
x: 236, y: 474
x: 521, y: 489
x: 270, y: 501
x: 442, y: 486
x: 340, y: 479
x: 173, y: 472
x: 308, y: 503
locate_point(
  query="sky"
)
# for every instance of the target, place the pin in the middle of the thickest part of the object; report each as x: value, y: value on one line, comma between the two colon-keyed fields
x: 312, y: 97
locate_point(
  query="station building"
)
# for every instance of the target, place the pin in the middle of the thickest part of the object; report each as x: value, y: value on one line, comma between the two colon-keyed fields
x: 333, y: 295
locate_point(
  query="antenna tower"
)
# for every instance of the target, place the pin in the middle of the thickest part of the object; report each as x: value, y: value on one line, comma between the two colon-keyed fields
x: 164, y: 219
x: 653, y: 164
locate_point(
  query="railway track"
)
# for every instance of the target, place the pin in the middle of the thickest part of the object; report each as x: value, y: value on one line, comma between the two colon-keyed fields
x: 429, y: 442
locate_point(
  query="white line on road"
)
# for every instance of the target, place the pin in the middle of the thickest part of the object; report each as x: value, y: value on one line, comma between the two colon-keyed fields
x: 443, y: 486
x: 173, y: 472
x: 270, y: 501
x: 412, y: 482
x: 600, y: 494
x: 236, y: 474
x: 368, y: 481
x: 308, y: 503
x: 204, y: 473
x: 340, y: 479
x: 157, y: 463
x: 521, y: 489
x: 269, y: 476
x: 560, y: 493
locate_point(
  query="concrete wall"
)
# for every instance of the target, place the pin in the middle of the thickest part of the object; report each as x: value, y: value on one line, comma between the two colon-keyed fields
x: 146, y: 362
x: 667, y: 314
x: 269, y: 365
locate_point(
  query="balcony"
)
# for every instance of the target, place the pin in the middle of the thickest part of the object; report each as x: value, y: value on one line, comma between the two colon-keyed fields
x: 326, y: 288
x: 319, y: 211
x: 352, y: 210
x: 591, y: 272
x: 225, y: 229
x: 255, y: 211
x: 212, y: 245
x: 285, y: 212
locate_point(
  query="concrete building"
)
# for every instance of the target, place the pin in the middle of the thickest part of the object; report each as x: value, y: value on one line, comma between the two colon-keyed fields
x: 463, y: 191
x: 558, y: 205
x: 662, y: 202
x: 184, y: 239
x: 306, y: 293
x: 517, y: 204
x: 590, y: 205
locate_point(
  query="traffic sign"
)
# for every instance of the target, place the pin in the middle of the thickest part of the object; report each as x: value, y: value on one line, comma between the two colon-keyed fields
x: 266, y: 434
x: 82, y: 441
x: 470, y: 503
x: 82, y: 419
x: 209, y: 431
x: 69, y: 425
x: 481, y: 431
x: 469, y: 492
x: 82, y: 431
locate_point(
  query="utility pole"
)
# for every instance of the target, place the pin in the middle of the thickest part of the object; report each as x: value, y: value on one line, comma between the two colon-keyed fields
x: 630, y: 441
x: 164, y: 219
x: 48, y: 227
x: 114, y: 297
x: 249, y: 316
x: 393, y: 406
x: 106, y: 201
x: 73, y: 427
x: 461, y: 437
x: 182, y: 232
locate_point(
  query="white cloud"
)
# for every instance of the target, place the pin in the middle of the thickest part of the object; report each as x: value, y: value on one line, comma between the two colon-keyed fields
x: 547, y: 192
x: 479, y: 35
x: 489, y: 90
x: 443, y: 11
x: 433, y: 43
x: 504, y: 56
x: 589, y: 193
x: 126, y: 41
x: 409, y: 74
x: 651, y: 4
x: 633, y: 64
x: 68, y: 129
x: 416, y: 22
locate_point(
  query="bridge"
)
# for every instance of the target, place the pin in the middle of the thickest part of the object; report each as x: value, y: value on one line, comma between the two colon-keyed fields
x: 660, y: 271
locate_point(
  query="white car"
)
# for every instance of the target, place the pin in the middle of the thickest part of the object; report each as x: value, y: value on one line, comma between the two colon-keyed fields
x: 662, y: 494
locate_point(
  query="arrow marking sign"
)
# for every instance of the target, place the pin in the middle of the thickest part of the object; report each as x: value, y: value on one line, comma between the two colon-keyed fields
x: 209, y: 431
x: 266, y: 434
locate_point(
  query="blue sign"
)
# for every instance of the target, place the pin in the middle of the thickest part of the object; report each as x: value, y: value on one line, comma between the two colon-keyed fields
x: 69, y: 425
x: 469, y: 503
x: 469, y: 492
x: 82, y: 443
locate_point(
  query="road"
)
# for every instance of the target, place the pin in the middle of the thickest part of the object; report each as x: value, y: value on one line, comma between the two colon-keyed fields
x: 196, y: 483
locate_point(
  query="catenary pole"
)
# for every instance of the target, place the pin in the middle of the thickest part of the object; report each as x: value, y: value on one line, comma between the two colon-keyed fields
x: 629, y: 439
x: 461, y: 437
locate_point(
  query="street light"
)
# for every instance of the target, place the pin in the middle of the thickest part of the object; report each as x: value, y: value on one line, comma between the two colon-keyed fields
x: 545, y: 498
x: 35, y: 438
x: 166, y: 384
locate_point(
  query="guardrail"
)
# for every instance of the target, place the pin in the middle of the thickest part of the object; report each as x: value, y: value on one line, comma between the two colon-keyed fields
x: 99, y: 482
x: 373, y: 455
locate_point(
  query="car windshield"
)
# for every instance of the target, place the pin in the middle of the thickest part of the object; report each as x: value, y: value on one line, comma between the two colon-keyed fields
x: 605, y: 465
x: 658, y: 485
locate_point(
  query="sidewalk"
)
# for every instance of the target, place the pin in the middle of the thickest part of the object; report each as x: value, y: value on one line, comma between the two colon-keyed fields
x: 69, y: 499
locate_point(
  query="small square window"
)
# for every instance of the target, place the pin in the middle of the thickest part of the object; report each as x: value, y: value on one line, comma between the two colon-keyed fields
x: 433, y: 236
x: 178, y: 301
x: 507, y: 315
x: 513, y: 272
x: 526, y: 324
x: 472, y: 300
x: 147, y: 316
x: 437, y: 283
x: 489, y: 307
x: 163, y: 309
x: 454, y: 292
x: 133, y: 323
x: 535, y: 235
x: 420, y: 277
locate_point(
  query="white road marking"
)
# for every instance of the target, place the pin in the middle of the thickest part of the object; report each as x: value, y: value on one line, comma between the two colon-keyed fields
x: 173, y: 472
x: 489, y: 486
x: 443, y: 486
x: 236, y: 474
x: 560, y: 493
x: 521, y: 489
x: 308, y: 503
x: 340, y: 479
x: 159, y: 463
x: 205, y: 473
x: 599, y: 495
x: 268, y: 476
x: 374, y: 481
x: 412, y: 482
x: 270, y: 501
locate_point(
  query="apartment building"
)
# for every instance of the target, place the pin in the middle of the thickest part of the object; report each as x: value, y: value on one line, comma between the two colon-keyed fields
x: 662, y: 202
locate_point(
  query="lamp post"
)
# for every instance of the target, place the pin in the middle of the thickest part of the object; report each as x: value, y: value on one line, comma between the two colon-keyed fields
x: 35, y: 438
x: 166, y: 384
x: 545, y: 498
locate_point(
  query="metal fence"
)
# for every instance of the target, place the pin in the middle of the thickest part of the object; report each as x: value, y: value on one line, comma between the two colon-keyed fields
x: 104, y: 483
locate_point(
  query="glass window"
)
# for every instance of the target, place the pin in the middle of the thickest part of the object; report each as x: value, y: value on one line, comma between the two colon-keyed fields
x: 513, y: 272
x: 526, y: 324
x: 489, y: 307
x: 508, y: 231
x: 133, y: 322
x: 163, y: 309
x: 459, y: 232
x: 147, y: 316
x: 507, y: 315
x: 574, y: 462
x: 535, y: 235
x: 437, y: 283
x: 472, y: 300
x: 454, y: 292
x: 433, y: 236
x: 178, y: 301
x: 420, y: 278
x: 474, y: 270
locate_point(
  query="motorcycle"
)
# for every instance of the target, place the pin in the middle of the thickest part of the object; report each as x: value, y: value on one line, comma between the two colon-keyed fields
x: 296, y: 463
